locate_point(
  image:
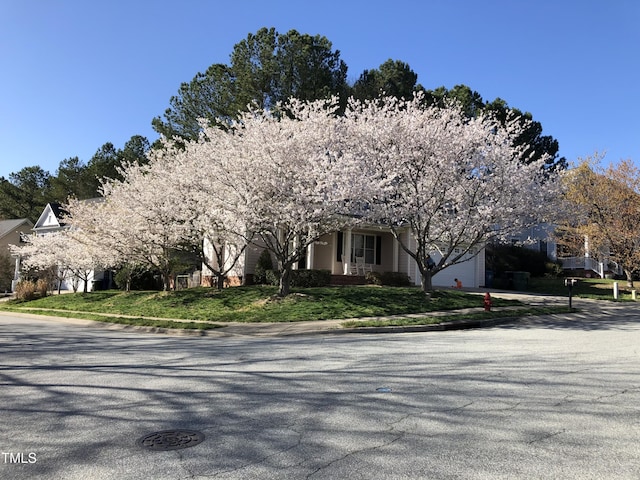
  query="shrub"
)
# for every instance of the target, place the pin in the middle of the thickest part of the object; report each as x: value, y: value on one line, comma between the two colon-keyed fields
x: 395, y: 279
x: 310, y: 278
x: 137, y: 278
x: 272, y: 277
x: 553, y: 269
x: 25, y: 290
x: 373, y: 278
x: 391, y: 279
x: 264, y: 263
x: 42, y: 287
x: 301, y: 278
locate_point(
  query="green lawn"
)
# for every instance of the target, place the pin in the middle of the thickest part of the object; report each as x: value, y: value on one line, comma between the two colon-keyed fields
x: 258, y: 304
x: 596, y: 288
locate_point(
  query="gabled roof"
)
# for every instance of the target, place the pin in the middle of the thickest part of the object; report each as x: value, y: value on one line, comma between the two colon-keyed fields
x: 8, y: 226
x: 50, y: 218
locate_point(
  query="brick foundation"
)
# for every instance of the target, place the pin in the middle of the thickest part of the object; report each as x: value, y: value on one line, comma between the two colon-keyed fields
x: 347, y: 280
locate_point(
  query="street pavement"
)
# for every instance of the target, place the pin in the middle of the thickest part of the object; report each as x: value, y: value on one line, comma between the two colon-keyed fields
x: 544, y: 397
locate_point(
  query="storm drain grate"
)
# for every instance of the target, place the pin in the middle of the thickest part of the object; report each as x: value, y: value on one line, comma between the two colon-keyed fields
x: 171, y: 440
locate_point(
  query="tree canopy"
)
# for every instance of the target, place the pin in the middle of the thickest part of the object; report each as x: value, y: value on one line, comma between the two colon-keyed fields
x: 393, y: 78
x: 277, y: 130
x: 538, y: 145
x: 268, y: 68
x: 265, y: 68
x: 603, y: 205
x: 443, y: 183
x: 27, y: 192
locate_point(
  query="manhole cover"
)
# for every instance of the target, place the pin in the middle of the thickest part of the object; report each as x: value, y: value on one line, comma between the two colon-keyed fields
x: 171, y: 439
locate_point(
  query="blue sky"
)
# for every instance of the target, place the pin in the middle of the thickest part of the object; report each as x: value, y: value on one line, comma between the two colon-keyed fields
x: 77, y: 74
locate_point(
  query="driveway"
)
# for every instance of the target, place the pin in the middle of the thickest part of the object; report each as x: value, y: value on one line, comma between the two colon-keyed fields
x: 550, y: 397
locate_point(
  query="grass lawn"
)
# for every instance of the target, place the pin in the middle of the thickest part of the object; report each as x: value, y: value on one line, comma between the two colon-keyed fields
x: 596, y: 288
x: 256, y: 303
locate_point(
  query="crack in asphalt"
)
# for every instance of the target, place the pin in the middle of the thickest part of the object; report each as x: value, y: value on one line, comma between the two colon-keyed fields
x: 267, y: 457
x: 617, y: 394
x: 355, y: 452
x: 542, y: 438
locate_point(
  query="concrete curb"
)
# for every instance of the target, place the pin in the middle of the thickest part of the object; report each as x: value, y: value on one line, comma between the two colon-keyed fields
x: 436, y: 327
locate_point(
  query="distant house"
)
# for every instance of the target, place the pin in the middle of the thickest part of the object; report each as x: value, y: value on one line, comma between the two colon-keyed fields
x: 588, y: 262
x: 539, y: 238
x: 14, y: 232
x: 51, y: 220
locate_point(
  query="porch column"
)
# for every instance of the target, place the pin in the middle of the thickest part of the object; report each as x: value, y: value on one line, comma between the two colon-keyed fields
x: 310, y: 253
x: 346, y: 252
x: 16, y: 275
x: 295, y: 248
x: 396, y: 246
x: 16, y: 270
x: 410, y: 261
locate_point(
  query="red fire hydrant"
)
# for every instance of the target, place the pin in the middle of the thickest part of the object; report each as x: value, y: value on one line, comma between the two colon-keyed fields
x: 487, y: 302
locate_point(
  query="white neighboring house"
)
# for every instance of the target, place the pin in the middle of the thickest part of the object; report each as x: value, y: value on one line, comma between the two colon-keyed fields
x: 14, y: 232
x: 51, y: 221
x: 591, y: 263
x: 538, y: 238
x: 380, y: 252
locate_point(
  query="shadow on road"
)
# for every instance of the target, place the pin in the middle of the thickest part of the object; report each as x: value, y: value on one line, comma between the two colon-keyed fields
x: 590, y: 315
x: 476, y: 403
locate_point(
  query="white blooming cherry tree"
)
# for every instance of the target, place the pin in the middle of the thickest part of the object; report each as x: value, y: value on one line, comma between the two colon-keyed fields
x: 203, y: 205
x: 451, y: 182
x: 280, y: 174
x: 68, y: 253
x: 136, y: 221
x: 43, y: 253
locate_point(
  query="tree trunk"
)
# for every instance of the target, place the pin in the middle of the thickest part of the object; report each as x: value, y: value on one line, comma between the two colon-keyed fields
x: 426, y: 281
x: 629, y: 278
x: 285, y: 282
x: 220, y: 281
x: 166, y: 281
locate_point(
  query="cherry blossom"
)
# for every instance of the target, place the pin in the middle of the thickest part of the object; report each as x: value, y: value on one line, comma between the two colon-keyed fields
x: 451, y: 182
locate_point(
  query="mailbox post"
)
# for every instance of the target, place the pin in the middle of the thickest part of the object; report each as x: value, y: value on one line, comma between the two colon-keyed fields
x: 570, y: 282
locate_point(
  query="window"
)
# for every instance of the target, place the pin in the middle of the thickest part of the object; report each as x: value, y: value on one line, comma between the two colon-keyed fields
x: 367, y: 246
x: 363, y: 246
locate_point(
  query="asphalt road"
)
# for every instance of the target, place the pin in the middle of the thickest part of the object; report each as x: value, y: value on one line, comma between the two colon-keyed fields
x: 553, y: 397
